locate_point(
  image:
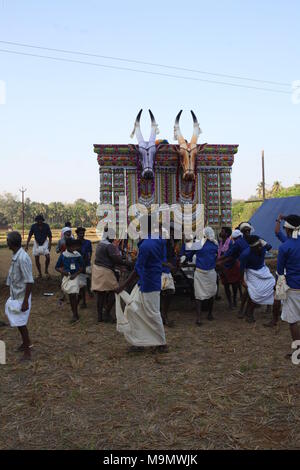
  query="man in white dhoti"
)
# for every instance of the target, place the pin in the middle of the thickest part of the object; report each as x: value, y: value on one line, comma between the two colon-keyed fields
x: 141, y: 321
x: 20, y: 281
x: 258, y: 278
x: 42, y: 243
x: 288, y: 268
x: 205, y: 278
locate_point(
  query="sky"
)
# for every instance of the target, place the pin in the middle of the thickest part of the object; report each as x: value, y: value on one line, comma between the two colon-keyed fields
x: 54, y: 111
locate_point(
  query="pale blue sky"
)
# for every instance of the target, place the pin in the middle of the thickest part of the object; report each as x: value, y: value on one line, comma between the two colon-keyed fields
x: 56, y: 111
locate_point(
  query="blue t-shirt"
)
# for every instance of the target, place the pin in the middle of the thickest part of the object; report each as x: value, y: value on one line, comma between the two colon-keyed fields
x: 71, y: 262
x: 281, y: 236
x: 40, y: 234
x: 86, y: 251
x: 236, y: 248
x: 149, y: 264
x: 250, y: 259
x: 206, y: 257
x: 289, y: 260
x: 186, y: 252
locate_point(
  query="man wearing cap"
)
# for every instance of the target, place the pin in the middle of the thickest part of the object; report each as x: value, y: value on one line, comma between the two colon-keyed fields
x: 288, y: 267
x: 42, y: 243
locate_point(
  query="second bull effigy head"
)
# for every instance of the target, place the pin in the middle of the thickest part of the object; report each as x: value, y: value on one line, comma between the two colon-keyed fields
x: 188, y: 151
x: 147, y: 149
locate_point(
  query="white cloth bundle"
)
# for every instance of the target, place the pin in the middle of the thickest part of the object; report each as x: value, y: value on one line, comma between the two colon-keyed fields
x: 167, y: 282
x: 40, y: 250
x: 205, y: 284
x: 14, y: 314
x: 291, y: 306
x: 281, y: 288
x: 260, y: 284
x: 140, y: 322
x: 70, y: 286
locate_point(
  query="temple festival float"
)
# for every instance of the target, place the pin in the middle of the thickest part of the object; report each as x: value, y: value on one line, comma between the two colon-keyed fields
x: 157, y: 172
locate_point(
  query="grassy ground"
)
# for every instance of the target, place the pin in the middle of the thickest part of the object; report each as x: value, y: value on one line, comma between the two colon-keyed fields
x: 225, y: 385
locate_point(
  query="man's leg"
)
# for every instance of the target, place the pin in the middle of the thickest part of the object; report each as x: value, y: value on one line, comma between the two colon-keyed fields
x: 100, y: 304
x: 198, y: 311
x: 250, y: 311
x: 47, y: 262
x: 243, y: 302
x: 228, y: 295
x: 275, y: 314
x: 74, y: 307
x: 295, y: 331
x: 210, y: 304
x: 82, y: 297
x: 25, y: 342
x: 166, y: 300
x: 38, y: 265
x: 235, y: 287
x: 109, y: 303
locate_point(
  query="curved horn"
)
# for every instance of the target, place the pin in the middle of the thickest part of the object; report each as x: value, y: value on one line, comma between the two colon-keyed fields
x: 197, y: 131
x: 137, y: 129
x: 177, y: 132
x: 154, y: 127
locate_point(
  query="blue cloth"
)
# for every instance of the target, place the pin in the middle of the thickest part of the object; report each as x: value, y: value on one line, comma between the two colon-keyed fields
x: 206, y: 257
x: 71, y: 264
x: 42, y: 234
x: 289, y: 260
x: 281, y: 236
x: 188, y: 253
x: 237, y: 248
x: 149, y: 264
x: 86, y: 251
x: 250, y: 259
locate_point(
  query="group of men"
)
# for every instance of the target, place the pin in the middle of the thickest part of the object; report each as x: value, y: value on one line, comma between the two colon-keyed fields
x: 143, y: 298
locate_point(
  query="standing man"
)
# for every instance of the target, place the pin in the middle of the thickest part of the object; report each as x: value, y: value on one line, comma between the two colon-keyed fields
x: 42, y: 243
x: 288, y: 267
x: 145, y: 326
x: 20, y: 281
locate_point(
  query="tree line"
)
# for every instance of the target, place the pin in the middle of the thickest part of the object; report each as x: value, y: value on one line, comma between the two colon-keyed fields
x: 79, y: 213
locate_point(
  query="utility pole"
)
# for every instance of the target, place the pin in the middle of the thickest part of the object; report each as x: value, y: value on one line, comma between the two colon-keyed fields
x: 263, y: 174
x: 23, y: 209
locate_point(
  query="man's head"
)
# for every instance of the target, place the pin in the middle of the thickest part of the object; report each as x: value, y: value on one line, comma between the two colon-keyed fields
x: 66, y: 232
x: 109, y: 234
x: 225, y: 233
x: 80, y: 231
x: 72, y: 245
x: 292, y: 225
x: 236, y: 234
x: 39, y: 219
x: 14, y: 241
x: 246, y: 229
x: 254, y: 243
x: 68, y: 224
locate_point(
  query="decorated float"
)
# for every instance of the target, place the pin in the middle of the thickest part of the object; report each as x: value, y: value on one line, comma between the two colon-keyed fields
x: 157, y: 172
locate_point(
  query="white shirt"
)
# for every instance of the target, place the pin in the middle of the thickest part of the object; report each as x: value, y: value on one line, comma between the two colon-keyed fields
x: 19, y: 274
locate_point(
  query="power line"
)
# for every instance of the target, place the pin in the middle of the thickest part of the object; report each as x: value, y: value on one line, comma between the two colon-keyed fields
x: 147, y: 72
x: 152, y: 64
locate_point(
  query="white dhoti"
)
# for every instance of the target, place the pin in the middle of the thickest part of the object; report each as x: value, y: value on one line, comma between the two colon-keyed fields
x: 14, y: 314
x: 70, y: 286
x: 260, y: 284
x: 140, y: 322
x: 167, y: 283
x: 40, y: 250
x: 205, y: 284
x: 291, y: 306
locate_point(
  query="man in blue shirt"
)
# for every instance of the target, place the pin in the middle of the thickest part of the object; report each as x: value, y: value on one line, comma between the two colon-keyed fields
x: 205, y: 278
x: 143, y: 312
x: 42, y: 243
x: 288, y: 265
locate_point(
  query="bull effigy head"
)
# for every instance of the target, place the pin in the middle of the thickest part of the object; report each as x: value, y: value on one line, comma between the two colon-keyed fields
x: 187, y: 151
x: 147, y: 150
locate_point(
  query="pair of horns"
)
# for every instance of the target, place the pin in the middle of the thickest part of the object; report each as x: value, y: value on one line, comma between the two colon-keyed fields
x: 196, y: 131
x: 137, y: 129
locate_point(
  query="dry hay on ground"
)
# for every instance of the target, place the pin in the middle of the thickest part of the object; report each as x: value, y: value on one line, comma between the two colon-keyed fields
x: 225, y: 385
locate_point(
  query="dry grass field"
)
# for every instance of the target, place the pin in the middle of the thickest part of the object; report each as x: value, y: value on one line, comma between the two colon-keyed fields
x: 225, y: 385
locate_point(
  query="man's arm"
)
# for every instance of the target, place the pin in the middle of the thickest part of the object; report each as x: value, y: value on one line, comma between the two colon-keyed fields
x: 25, y: 304
x: 29, y: 238
x: 281, y: 260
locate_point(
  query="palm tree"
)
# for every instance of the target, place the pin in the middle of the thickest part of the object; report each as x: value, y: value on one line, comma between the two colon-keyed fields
x: 276, y: 187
